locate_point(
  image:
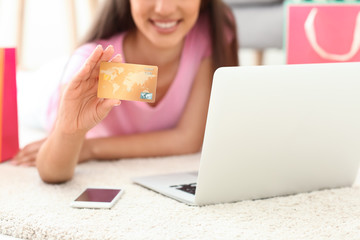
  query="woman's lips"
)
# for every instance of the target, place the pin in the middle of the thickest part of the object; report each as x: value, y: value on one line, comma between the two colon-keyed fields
x: 165, y: 26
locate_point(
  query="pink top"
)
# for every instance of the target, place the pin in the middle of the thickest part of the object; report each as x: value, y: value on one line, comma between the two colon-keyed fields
x: 139, y: 117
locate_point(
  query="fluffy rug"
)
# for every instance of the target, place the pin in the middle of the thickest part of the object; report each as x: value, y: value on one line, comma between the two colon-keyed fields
x: 31, y: 209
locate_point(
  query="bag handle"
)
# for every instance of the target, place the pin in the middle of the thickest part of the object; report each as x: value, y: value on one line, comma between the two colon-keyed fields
x: 311, y: 36
x: 325, y: 1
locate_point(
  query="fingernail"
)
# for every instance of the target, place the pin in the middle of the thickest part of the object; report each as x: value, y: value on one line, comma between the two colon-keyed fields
x: 109, y: 47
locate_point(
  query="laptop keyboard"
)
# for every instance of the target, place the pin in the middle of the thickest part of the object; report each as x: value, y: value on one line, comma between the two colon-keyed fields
x: 189, y: 188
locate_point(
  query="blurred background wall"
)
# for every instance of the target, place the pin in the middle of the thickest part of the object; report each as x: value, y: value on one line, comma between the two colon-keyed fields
x: 43, y: 30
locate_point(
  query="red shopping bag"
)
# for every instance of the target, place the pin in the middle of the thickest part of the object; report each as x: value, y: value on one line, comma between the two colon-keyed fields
x: 9, y: 140
x: 322, y: 32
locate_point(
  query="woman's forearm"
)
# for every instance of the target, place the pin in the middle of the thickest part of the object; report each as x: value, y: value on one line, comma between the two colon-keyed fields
x: 61, y: 152
x: 58, y: 156
x: 153, y: 144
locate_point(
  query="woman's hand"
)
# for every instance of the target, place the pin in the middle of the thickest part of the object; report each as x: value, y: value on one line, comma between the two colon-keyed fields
x: 80, y: 108
x: 27, y: 155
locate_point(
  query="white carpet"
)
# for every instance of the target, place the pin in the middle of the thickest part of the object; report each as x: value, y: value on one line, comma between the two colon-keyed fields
x: 30, y: 209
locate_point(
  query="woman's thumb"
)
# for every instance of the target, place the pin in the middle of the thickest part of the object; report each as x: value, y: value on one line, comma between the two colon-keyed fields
x: 107, y: 104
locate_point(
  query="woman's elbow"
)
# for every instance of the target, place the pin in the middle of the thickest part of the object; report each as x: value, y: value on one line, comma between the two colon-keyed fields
x: 193, y: 147
x: 192, y: 143
x: 53, y: 176
x: 51, y: 179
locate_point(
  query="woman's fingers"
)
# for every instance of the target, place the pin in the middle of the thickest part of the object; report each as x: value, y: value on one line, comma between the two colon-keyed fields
x: 79, y: 102
x: 91, y: 67
x: 25, y: 156
x: 117, y: 58
x: 90, y: 70
x: 105, y: 57
x: 86, y: 70
x: 29, y: 160
x: 28, y: 154
x: 107, y: 104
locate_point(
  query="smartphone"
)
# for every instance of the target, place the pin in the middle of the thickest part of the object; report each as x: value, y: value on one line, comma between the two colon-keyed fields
x: 97, y: 198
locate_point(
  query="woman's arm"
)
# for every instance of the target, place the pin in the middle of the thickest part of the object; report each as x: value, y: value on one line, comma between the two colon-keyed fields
x: 186, y: 137
x: 65, y: 146
x: 58, y: 156
x: 79, y: 111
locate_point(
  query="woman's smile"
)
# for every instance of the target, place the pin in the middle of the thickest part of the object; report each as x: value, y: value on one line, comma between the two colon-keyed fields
x: 165, y: 26
x: 164, y: 23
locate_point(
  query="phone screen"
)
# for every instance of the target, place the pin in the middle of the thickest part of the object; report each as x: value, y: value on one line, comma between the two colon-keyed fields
x: 98, y: 195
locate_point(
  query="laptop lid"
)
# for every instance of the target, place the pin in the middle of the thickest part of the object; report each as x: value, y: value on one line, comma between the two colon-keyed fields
x: 278, y: 130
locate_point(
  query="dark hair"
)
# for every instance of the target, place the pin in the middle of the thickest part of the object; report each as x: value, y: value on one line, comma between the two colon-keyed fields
x: 115, y: 17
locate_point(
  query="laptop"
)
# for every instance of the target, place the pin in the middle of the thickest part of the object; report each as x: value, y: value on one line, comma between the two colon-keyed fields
x: 273, y: 131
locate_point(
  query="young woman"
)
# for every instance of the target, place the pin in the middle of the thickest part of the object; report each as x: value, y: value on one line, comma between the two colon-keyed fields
x: 186, y: 39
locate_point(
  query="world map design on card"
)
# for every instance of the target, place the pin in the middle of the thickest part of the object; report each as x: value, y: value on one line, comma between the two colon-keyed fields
x: 126, y: 81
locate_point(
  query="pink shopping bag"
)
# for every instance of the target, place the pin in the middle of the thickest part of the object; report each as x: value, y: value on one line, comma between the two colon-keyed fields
x: 322, y: 32
x: 9, y: 141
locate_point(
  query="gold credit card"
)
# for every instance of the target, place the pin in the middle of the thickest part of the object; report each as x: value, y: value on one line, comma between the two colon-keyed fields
x: 126, y: 81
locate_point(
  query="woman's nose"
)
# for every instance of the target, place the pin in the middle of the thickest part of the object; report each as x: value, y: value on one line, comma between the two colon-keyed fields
x: 165, y: 7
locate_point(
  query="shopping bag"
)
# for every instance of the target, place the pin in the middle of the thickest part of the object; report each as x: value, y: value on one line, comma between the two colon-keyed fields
x: 9, y: 140
x: 322, y: 31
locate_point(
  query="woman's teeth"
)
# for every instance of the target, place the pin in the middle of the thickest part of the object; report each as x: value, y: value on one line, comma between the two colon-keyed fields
x: 165, y: 25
